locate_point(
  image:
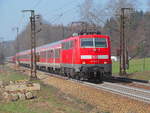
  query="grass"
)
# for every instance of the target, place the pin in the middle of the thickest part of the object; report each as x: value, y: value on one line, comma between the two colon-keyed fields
x: 7, y: 74
x: 140, y: 68
x: 46, y: 103
x: 141, y: 75
x: 50, y: 99
x: 135, y: 65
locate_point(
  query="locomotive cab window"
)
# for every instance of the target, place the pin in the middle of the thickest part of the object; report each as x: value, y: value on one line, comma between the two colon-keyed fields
x: 87, y: 42
x: 94, y: 42
x: 100, y: 42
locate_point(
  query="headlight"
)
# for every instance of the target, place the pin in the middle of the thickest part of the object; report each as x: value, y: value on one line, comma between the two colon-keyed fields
x: 105, y: 62
x: 83, y: 62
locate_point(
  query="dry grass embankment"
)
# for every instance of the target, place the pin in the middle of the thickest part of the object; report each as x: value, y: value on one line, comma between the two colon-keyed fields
x: 49, y: 99
x: 103, y: 100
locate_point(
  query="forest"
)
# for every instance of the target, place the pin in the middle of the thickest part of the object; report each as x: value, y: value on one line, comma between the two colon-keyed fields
x: 106, y: 20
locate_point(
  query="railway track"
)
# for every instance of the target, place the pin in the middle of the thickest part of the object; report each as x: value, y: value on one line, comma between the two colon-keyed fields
x: 139, y: 94
x: 144, y: 84
x: 131, y: 92
x: 125, y: 79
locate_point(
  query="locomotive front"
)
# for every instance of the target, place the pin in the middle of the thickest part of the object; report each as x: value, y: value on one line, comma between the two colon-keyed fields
x: 95, y: 57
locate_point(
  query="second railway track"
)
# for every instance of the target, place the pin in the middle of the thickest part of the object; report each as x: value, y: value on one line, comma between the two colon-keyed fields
x: 131, y: 92
x: 139, y: 94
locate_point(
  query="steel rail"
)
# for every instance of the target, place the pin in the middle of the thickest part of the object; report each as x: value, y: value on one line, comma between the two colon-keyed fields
x: 122, y: 91
x: 144, y: 84
x: 126, y: 91
x: 128, y: 87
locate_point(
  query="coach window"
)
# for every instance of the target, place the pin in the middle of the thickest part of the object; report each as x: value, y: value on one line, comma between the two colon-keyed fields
x: 68, y: 45
x: 29, y: 56
x: 48, y: 53
x: 37, y: 56
x: 41, y: 54
x: 63, y: 45
x: 37, y: 53
x: 44, y: 54
x: 51, y: 53
x: 57, y: 53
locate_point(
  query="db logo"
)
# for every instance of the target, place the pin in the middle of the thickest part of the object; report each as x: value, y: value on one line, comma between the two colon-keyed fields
x: 94, y: 57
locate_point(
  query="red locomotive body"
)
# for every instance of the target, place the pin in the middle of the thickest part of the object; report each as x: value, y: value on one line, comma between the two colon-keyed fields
x: 81, y: 57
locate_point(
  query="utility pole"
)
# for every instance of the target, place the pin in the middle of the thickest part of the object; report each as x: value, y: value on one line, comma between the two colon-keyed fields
x: 17, y: 44
x: 1, y: 53
x: 33, y: 45
x: 123, y: 43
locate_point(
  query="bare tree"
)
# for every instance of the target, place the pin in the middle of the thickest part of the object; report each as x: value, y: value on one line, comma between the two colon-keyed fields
x: 1, y: 53
x: 148, y: 4
x: 85, y: 10
x: 114, y: 6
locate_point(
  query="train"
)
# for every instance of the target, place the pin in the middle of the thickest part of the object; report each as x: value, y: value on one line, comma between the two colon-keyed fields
x: 83, y: 56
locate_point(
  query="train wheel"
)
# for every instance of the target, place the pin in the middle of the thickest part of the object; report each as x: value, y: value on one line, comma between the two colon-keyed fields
x: 72, y: 73
x: 77, y: 76
x: 68, y: 75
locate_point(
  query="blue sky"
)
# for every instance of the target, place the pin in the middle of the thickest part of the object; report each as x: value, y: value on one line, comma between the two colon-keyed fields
x: 56, y: 11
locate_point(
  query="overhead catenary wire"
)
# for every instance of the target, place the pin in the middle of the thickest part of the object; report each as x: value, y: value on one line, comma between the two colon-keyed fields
x: 23, y: 22
x: 37, y: 4
x: 56, y: 10
x: 53, y: 19
x: 20, y: 26
x: 62, y: 7
x: 63, y: 15
x: 58, y: 16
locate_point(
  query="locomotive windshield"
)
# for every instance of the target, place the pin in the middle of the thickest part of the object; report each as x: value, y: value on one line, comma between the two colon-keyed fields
x: 87, y: 42
x: 94, y: 42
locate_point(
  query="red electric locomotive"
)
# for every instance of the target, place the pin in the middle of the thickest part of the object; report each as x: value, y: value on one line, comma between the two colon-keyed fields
x: 84, y: 56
